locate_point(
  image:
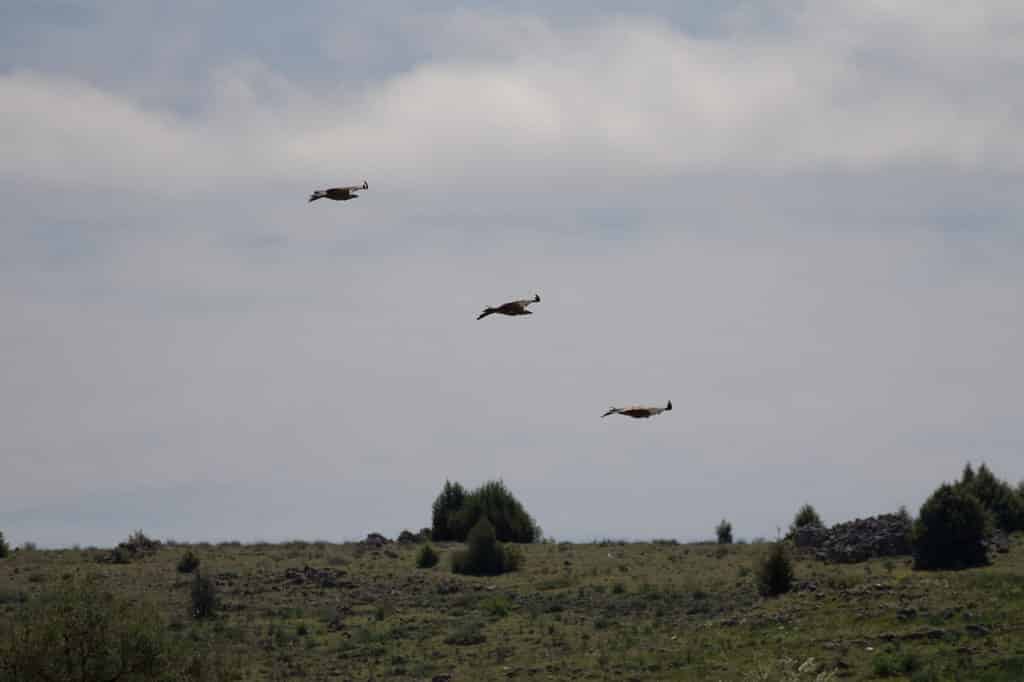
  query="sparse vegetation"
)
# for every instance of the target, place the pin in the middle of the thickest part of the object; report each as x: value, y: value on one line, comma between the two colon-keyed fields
x: 724, y: 532
x: 188, y: 562
x: 80, y: 632
x: 951, y: 529
x: 343, y: 611
x: 427, y: 557
x: 775, y: 572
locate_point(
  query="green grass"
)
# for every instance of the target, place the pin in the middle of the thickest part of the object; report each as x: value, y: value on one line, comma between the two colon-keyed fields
x: 648, y: 611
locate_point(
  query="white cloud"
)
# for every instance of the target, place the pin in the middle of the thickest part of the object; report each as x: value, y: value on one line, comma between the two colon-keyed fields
x: 843, y: 88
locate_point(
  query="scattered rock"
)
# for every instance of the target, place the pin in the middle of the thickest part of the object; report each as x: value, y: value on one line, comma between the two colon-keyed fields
x: 321, y: 577
x: 978, y: 630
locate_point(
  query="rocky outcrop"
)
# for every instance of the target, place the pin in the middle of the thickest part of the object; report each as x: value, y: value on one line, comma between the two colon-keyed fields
x: 858, y: 540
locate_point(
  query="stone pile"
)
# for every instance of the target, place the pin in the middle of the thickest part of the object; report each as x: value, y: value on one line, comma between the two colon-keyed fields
x: 858, y: 540
x: 376, y: 540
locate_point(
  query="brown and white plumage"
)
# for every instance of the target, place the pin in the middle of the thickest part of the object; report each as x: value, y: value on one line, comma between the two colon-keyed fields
x: 638, y: 411
x: 511, y: 308
x: 339, y: 193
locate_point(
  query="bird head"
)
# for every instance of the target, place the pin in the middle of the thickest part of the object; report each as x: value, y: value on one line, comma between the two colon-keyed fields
x: 536, y: 298
x: 669, y: 406
x: 366, y: 185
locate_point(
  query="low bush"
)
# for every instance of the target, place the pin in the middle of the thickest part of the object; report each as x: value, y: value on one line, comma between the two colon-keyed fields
x: 188, y: 562
x: 724, y: 532
x: 484, y: 555
x: 951, y: 530
x: 774, y: 573
x: 427, y: 557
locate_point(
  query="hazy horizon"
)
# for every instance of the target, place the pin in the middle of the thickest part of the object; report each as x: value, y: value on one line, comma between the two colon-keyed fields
x: 800, y: 222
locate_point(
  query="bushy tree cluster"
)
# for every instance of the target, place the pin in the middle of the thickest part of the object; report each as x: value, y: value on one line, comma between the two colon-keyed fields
x: 4, y: 547
x: 951, y: 530
x: 998, y: 497
x: 484, y: 555
x: 455, y: 512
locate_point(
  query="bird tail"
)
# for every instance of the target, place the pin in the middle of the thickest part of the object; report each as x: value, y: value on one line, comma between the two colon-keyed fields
x: 319, y: 194
x: 611, y: 410
x: 485, y: 313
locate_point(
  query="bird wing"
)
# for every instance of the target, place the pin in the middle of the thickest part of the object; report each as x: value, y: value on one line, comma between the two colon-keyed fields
x: 351, y: 188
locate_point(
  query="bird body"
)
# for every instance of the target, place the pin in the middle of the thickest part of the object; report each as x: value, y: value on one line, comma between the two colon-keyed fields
x: 339, y: 193
x: 511, y: 308
x: 638, y: 411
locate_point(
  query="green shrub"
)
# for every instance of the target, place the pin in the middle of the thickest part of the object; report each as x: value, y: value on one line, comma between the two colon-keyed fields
x: 188, y: 562
x: 484, y: 554
x: 775, y: 572
x: 950, y: 530
x: 806, y: 516
x: 204, y: 596
x: 79, y: 632
x: 5, y: 549
x: 427, y: 557
x: 724, y: 532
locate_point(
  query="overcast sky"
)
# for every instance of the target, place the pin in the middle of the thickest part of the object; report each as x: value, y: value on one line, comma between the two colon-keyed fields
x: 799, y: 221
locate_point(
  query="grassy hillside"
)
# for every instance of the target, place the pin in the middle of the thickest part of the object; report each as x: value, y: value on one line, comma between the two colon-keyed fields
x: 658, y: 611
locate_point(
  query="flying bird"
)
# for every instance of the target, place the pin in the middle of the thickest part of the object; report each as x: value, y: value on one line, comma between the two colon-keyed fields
x: 339, y: 193
x: 638, y: 411
x: 511, y: 308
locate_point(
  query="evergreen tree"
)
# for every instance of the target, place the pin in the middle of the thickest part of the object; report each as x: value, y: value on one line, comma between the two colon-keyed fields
x: 724, y: 532
x: 950, y: 530
x: 997, y: 497
x: 447, y: 505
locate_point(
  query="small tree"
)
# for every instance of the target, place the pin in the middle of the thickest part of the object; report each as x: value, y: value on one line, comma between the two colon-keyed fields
x: 724, y: 532
x: 775, y: 572
x: 950, y: 530
x: 426, y: 557
x: 806, y: 516
x: 4, y: 547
